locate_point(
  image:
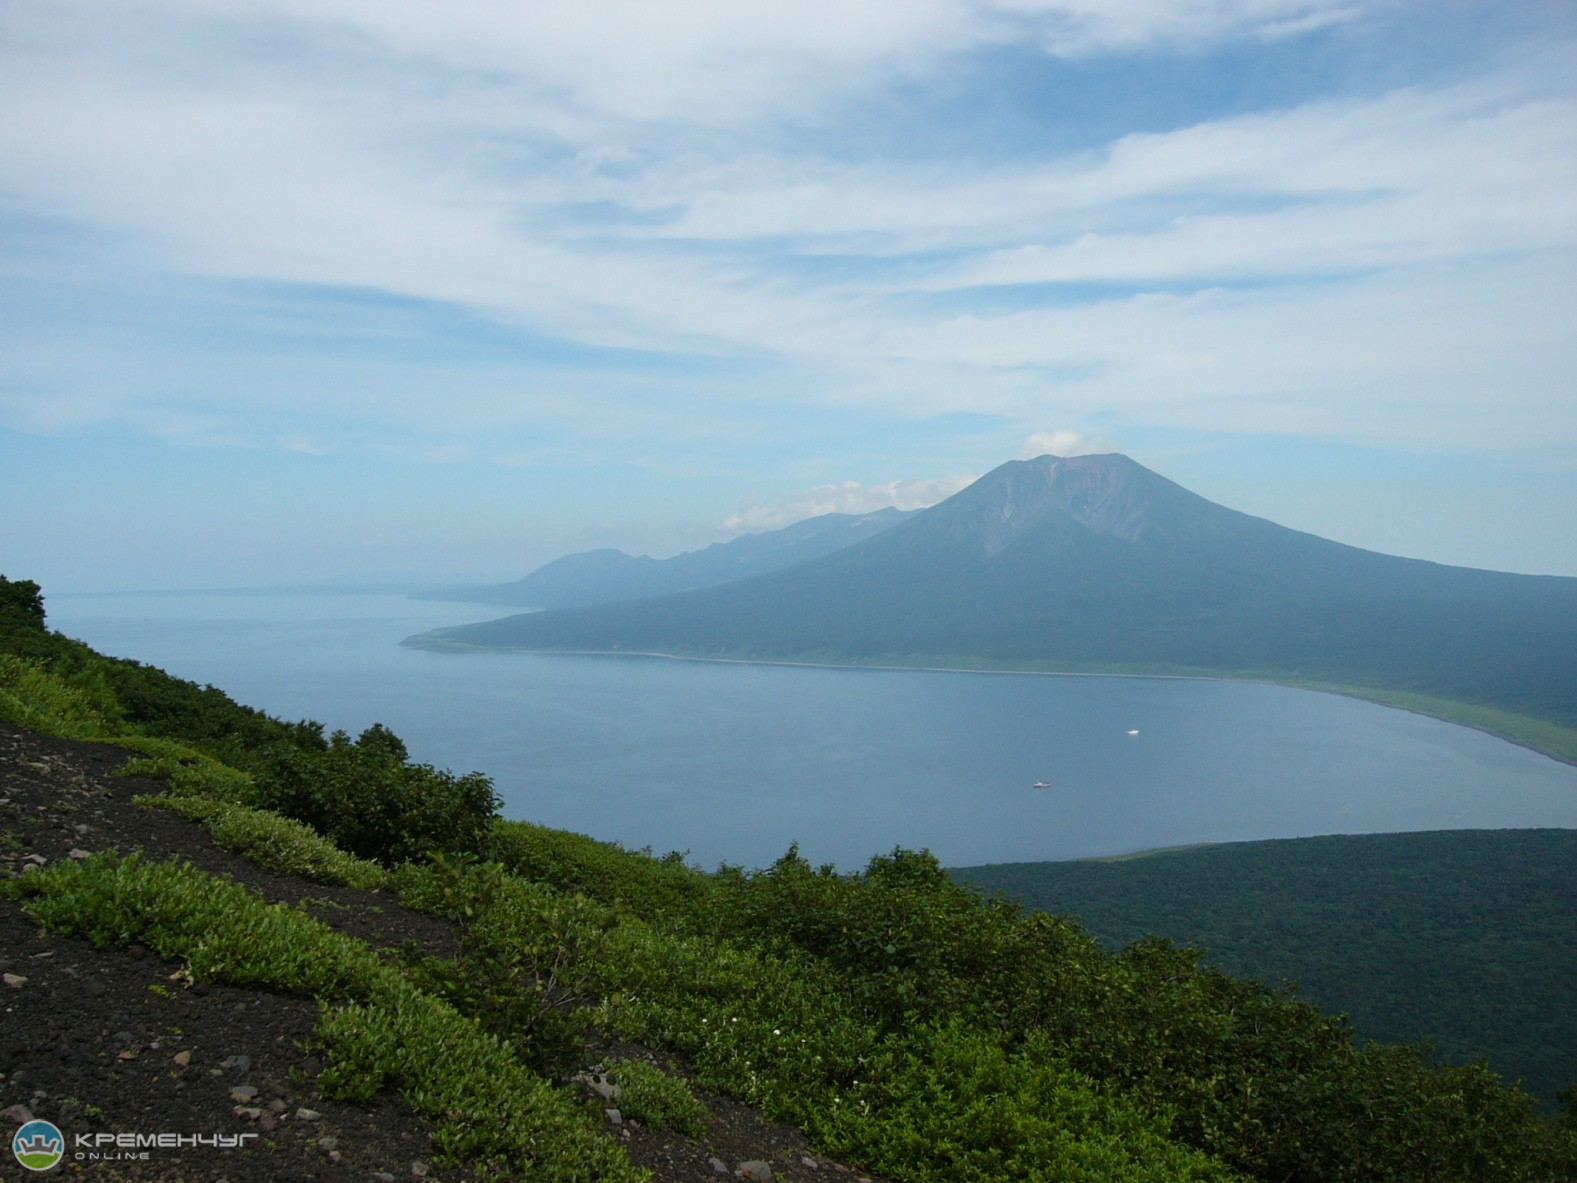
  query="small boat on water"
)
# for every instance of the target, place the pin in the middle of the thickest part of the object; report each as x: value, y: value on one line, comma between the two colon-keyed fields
x: 1133, y: 731
x: 1041, y: 784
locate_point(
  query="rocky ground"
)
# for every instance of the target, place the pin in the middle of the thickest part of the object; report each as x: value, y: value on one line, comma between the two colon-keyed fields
x: 115, y: 1040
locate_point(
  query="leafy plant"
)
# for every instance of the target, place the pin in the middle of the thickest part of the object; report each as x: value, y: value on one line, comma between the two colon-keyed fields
x: 370, y: 800
x: 279, y: 843
x: 648, y: 1094
x: 525, y: 954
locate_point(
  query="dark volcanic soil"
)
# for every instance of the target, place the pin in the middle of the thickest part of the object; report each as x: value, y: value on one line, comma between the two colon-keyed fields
x: 114, y: 1041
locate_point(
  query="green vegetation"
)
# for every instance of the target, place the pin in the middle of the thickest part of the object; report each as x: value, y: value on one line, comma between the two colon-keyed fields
x: 1466, y: 939
x: 897, y: 1017
x: 492, y: 1115
x: 367, y: 796
x: 648, y: 1094
x: 364, y: 794
x: 278, y: 843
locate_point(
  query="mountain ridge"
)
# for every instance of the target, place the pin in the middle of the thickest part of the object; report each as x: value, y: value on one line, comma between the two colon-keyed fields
x: 608, y: 576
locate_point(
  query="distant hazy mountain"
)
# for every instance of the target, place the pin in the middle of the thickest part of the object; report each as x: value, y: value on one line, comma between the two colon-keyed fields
x: 609, y: 576
x: 1097, y: 562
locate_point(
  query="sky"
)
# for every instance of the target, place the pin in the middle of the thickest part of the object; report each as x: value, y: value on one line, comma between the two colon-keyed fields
x: 359, y: 290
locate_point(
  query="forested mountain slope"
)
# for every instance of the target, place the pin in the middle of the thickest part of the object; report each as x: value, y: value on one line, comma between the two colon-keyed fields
x: 1467, y: 938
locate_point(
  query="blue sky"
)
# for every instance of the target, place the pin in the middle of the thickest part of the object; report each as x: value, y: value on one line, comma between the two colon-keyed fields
x: 302, y: 290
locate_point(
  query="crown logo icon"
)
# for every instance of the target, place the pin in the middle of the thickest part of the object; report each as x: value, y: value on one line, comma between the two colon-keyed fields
x: 38, y: 1145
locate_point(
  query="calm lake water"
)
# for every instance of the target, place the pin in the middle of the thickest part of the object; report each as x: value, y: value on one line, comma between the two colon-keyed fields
x: 733, y: 762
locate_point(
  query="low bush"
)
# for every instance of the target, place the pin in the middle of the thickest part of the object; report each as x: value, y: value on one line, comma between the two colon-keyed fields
x: 279, y: 843
x: 190, y: 772
x: 650, y: 1095
x: 631, y: 881
x: 36, y: 696
x: 526, y: 953
x: 369, y: 799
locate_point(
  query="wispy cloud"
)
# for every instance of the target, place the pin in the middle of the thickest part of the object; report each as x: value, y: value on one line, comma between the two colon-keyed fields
x: 757, y: 514
x: 1062, y: 441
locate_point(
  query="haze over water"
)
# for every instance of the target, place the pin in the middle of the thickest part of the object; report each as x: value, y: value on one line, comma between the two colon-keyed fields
x: 733, y: 762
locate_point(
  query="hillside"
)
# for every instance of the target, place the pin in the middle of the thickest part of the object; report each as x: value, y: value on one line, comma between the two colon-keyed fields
x: 607, y: 576
x: 352, y: 956
x: 1464, y: 938
x: 118, y: 1038
x: 1097, y: 563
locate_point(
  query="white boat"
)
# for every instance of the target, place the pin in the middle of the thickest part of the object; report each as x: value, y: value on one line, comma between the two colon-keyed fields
x: 1041, y: 784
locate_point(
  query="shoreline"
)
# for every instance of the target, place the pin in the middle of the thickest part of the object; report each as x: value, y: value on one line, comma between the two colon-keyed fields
x: 1376, y: 696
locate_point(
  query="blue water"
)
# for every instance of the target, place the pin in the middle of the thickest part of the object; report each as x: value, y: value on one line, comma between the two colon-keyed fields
x: 731, y: 763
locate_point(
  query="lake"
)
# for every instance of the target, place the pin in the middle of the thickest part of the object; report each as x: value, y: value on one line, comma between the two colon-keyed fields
x: 733, y: 762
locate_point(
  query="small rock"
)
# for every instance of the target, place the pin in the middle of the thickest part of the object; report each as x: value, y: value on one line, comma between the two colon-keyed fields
x: 182, y: 1058
x: 382, y: 1177
x: 420, y: 1169
x: 614, y: 1117
x: 78, y: 853
x: 37, y: 860
x: 808, y: 1161
x: 15, y: 981
x: 335, y: 1156
x: 243, y: 1092
x: 247, y: 1112
x: 329, y: 1144
x: 755, y: 1170
x: 27, y: 867
x: 307, y: 1115
x: 268, y: 1122
x: 277, y: 1105
x: 244, y: 1063
x: 718, y: 1165
x: 20, y: 1114
x: 128, y: 1054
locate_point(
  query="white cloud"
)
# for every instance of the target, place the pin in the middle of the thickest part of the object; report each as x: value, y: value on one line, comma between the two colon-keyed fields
x: 1063, y: 441
x: 756, y: 515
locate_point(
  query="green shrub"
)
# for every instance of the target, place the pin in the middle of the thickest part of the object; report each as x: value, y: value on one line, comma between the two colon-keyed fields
x: 526, y: 956
x: 369, y: 799
x: 946, y: 1103
x: 190, y: 772
x: 650, y: 1095
x: 279, y: 843
x: 38, y: 697
x: 634, y: 882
